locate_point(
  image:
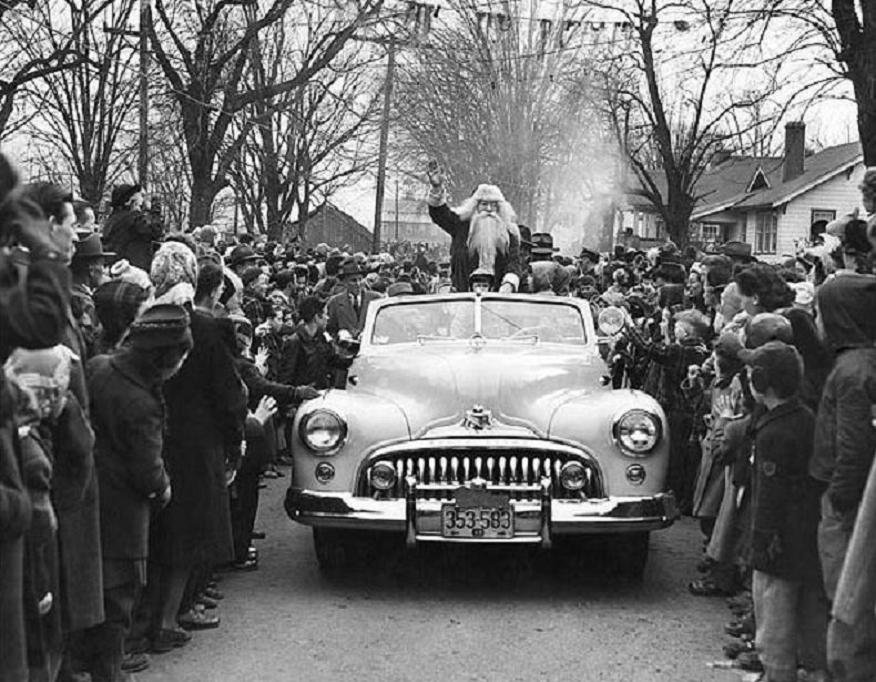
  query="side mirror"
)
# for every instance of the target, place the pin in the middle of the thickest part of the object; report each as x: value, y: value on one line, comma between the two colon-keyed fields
x: 611, y: 321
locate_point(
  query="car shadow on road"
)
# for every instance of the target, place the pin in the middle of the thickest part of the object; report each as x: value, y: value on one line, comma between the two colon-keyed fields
x: 587, y: 570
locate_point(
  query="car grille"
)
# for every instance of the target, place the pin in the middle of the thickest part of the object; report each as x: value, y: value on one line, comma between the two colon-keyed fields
x: 439, y: 475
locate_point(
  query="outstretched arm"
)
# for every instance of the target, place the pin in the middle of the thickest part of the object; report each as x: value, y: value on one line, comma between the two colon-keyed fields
x: 441, y: 215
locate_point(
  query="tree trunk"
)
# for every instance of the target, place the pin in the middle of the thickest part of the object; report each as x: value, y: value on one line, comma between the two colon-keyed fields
x: 203, y: 194
x: 863, y: 76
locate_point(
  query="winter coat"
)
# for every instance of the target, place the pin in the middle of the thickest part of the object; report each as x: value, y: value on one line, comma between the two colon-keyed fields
x: 43, y: 632
x: 82, y: 307
x: 258, y: 386
x: 668, y: 369
x: 129, y: 234
x: 15, y: 515
x: 206, y: 409
x: 785, y: 499
x: 709, y: 489
x: 856, y: 592
x: 127, y: 412
x: 307, y: 359
x: 463, y: 263
x: 33, y: 301
x: 342, y: 314
x: 844, y: 442
x: 76, y: 497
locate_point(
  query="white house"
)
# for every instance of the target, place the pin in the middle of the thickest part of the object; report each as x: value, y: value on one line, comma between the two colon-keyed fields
x: 776, y: 204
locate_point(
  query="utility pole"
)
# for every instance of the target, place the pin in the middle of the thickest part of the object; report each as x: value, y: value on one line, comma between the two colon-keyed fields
x: 384, y: 139
x: 143, y: 160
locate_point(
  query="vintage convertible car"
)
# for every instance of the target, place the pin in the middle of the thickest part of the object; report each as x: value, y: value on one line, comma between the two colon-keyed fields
x: 480, y: 418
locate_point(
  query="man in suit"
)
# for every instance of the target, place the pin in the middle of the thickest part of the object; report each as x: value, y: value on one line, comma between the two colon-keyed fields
x: 485, y: 238
x: 346, y: 309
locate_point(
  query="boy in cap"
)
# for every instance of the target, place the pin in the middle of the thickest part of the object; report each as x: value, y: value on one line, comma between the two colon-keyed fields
x: 789, y: 602
x: 128, y: 416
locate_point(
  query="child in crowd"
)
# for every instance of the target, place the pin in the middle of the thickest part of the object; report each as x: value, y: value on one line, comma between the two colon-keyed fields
x: 789, y: 601
x: 670, y: 361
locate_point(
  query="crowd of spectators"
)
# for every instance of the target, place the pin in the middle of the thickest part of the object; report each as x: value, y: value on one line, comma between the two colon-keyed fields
x: 151, y: 376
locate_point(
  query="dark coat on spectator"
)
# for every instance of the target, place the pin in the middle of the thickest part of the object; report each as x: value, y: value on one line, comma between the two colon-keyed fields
x: 785, y: 503
x: 206, y: 410
x: 127, y: 412
x: 76, y: 497
x: 129, y: 234
x: 342, y: 314
x: 32, y: 302
x: 15, y: 513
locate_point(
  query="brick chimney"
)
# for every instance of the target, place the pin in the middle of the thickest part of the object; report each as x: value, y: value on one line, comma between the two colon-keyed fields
x: 795, y: 147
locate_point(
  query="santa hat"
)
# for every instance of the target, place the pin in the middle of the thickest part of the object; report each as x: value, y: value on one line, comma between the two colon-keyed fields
x: 488, y: 193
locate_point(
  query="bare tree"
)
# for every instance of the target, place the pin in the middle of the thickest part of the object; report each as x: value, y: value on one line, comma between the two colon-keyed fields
x: 846, y: 30
x: 307, y: 142
x: 36, y: 41
x: 499, y: 95
x: 83, y: 112
x: 171, y: 179
x: 697, y: 76
x: 204, y: 48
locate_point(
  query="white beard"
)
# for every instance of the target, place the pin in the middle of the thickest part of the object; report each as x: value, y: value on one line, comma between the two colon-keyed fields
x: 487, y: 236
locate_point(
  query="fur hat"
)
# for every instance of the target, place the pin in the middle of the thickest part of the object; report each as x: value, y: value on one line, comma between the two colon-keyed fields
x: 488, y: 193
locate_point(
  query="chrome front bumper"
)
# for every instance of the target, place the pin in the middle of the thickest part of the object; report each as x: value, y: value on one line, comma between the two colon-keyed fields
x: 535, y: 520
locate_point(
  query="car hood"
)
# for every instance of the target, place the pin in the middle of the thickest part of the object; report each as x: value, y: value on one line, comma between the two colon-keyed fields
x: 435, y: 385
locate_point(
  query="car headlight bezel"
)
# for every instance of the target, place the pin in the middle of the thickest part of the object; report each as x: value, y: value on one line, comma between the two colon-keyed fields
x: 637, y: 432
x: 307, y: 428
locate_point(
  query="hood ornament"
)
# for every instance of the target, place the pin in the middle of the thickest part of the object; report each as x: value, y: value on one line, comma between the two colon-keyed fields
x: 478, y: 418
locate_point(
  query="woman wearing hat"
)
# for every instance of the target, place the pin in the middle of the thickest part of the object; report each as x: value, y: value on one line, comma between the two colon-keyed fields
x: 206, y: 409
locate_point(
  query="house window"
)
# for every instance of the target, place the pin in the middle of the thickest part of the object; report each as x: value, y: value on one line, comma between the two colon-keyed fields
x: 819, y: 214
x: 711, y: 234
x: 818, y: 223
x: 765, y: 232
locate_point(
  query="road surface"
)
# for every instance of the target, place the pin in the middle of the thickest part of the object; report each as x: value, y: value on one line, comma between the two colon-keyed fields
x: 472, y: 617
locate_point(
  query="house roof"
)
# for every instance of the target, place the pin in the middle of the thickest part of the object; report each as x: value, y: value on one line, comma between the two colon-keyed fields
x: 725, y: 186
x: 817, y: 169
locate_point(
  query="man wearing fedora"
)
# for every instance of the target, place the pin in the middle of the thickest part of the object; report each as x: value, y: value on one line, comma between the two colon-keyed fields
x: 346, y: 309
x: 242, y: 257
x: 87, y: 269
x: 130, y: 231
x: 483, y: 232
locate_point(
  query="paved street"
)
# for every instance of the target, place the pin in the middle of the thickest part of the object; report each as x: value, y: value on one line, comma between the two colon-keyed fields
x: 508, y: 620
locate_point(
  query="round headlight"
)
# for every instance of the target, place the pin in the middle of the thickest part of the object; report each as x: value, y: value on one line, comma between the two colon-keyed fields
x: 573, y: 476
x: 323, y: 430
x: 383, y: 476
x: 637, y: 432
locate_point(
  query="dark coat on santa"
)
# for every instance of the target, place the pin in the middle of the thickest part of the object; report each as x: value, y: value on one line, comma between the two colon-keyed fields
x: 463, y: 263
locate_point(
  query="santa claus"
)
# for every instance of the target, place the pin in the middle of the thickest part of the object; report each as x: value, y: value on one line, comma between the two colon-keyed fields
x: 484, y: 235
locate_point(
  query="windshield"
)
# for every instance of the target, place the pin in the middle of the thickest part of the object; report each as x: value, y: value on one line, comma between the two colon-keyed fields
x: 537, y: 322
x: 526, y: 321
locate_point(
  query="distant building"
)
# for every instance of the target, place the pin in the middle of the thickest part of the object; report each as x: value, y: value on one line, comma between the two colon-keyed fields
x: 329, y: 224
x: 776, y: 204
x: 405, y: 216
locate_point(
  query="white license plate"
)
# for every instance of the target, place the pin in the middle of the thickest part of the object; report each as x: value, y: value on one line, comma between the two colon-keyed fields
x: 479, y: 523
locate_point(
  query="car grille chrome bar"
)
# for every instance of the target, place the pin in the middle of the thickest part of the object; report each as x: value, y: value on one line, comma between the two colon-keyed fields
x: 438, y: 475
